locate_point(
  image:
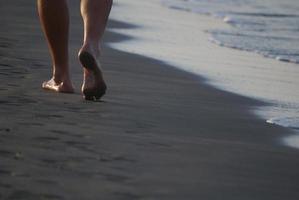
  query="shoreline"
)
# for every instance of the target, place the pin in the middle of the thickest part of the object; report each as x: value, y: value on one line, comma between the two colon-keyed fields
x: 151, y: 138
x: 182, y: 39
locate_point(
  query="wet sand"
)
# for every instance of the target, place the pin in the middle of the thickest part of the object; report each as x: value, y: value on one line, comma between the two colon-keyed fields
x: 159, y: 133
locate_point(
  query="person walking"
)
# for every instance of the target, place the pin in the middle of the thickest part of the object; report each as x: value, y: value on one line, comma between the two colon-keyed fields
x: 54, y: 17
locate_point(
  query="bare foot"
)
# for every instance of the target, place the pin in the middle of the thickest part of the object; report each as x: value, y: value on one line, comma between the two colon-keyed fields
x: 94, y: 86
x: 61, y: 86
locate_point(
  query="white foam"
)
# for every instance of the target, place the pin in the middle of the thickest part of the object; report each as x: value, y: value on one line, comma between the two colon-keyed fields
x: 229, y: 20
x: 289, y: 122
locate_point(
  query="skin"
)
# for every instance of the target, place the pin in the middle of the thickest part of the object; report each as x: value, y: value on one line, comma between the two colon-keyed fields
x: 54, y: 17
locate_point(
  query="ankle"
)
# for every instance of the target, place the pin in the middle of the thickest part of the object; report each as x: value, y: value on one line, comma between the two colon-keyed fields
x: 60, y: 74
x: 92, y: 48
x: 59, y: 78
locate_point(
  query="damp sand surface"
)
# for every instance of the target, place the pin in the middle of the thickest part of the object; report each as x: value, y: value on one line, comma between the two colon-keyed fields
x: 159, y: 133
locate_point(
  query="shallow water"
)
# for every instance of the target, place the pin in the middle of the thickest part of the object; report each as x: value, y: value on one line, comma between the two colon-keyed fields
x: 268, y: 27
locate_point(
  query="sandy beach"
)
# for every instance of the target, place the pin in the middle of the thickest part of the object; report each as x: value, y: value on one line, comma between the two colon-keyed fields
x: 159, y: 133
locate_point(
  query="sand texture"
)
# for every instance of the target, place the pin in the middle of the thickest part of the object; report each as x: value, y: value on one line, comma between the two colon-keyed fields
x: 159, y: 133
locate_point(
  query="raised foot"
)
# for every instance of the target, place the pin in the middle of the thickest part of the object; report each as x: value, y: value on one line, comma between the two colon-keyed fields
x: 63, y: 86
x: 94, y: 94
x: 94, y: 86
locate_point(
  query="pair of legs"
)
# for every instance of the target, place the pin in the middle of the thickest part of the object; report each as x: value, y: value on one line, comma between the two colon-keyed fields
x: 54, y: 17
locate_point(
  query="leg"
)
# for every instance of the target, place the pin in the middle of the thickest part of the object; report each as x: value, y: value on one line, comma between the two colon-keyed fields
x: 95, y: 15
x: 54, y: 18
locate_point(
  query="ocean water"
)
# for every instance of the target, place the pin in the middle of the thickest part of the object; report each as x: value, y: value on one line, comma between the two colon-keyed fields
x: 268, y: 27
x: 172, y: 31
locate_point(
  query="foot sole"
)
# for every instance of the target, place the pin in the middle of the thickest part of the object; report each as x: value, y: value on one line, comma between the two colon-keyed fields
x: 89, y: 63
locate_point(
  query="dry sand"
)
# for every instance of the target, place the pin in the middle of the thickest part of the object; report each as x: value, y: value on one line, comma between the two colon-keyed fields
x: 159, y: 133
